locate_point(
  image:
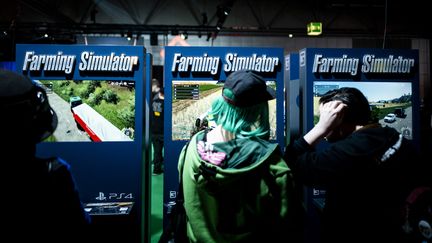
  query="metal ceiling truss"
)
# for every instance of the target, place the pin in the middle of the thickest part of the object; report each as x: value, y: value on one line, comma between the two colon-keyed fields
x: 79, y: 29
x: 65, y: 26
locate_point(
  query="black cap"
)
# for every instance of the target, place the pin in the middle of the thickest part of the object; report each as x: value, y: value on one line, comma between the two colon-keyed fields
x: 13, y: 84
x: 21, y: 97
x: 248, y: 88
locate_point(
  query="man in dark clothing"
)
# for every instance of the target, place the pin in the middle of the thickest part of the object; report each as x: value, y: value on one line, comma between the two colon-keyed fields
x: 365, y: 170
x: 41, y: 202
x: 157, y: 126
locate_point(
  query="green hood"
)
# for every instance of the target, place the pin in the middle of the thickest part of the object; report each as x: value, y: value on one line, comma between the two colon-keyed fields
x: 230, y: 204
x: 244, y: 156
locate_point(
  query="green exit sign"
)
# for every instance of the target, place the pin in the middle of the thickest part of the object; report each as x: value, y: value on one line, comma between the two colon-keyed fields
x: 314, y: 28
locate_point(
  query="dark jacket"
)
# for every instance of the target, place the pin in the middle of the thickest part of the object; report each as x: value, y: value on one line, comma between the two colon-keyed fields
x: 246, y: 201
x: 43, y: 204
x: 157, y: 115
x: 363, y: 192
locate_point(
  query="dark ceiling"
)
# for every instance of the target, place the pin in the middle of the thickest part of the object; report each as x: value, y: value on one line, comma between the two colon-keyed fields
x: 62, y: 20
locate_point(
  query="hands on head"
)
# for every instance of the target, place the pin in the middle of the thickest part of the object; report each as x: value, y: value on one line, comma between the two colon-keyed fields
x: 331, y: 116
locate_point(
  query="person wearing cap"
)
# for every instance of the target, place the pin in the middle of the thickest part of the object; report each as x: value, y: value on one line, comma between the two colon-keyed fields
x: 236, y: 184
x: 42, y: 200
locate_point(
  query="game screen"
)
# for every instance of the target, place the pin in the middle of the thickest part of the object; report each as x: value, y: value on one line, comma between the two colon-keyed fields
x: 191, y: 100
x: 390, y: 102
x: 89, y: 110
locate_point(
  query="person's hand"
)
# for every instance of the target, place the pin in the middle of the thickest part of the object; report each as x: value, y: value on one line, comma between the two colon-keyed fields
x: 331, y: 116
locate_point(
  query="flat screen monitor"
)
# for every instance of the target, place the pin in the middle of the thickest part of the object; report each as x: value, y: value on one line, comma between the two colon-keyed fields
x: 191, y: 100
x: 92, y: 110
x: 390, y: 102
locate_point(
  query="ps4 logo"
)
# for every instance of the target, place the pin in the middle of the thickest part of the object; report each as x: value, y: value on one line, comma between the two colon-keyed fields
x: 113, y: 196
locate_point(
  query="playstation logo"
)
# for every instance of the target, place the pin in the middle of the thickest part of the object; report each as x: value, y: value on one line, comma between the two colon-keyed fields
x: 101, y: 197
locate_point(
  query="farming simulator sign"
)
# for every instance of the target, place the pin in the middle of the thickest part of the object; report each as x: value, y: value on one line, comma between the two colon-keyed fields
x: 97, y: 93
x: 88, y: 61
x: 194, y: 78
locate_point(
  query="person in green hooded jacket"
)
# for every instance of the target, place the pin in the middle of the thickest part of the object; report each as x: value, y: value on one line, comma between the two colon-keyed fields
x: 236, y: 185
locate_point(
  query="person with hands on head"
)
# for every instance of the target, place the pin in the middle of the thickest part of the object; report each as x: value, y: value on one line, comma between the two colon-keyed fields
x: 365, y: 168
x: 331, y: 116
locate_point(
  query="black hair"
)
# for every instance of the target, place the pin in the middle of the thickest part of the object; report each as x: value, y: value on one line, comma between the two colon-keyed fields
x: 358, y: 111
